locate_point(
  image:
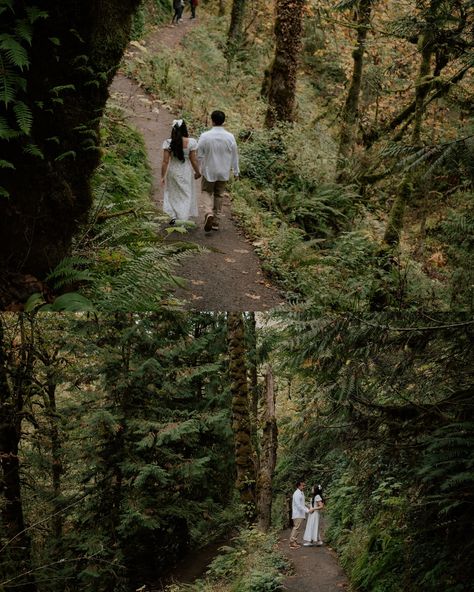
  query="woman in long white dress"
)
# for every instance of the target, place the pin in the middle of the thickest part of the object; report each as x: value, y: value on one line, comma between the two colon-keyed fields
x: 179, y: 170
x: 312, y: 533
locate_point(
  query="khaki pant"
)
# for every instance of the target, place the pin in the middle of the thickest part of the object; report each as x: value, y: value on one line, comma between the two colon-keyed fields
x: 212, y: 196
x: 297, y: 522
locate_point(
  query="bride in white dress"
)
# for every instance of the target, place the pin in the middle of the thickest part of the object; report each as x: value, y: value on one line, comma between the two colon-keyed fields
x: 177, y: 177
x: 312, y: 533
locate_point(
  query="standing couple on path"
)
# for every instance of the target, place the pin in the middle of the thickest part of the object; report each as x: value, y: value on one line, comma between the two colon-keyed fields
x: 212, y: 158
x: 299, y: 511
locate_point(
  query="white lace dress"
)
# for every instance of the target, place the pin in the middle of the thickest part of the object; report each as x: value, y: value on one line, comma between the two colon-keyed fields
x: 312, y: 533
x: 180, y: 200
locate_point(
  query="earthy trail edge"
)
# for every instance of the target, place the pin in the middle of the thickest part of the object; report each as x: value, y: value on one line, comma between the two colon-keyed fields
x: 316, y: 569
x: 228, y: 277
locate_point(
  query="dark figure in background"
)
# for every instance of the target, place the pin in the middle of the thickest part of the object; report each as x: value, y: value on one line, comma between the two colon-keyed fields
x: 178, y: 6
x: 193, y: 4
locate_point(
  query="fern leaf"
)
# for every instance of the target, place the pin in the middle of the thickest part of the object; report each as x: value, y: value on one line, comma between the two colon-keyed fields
x: 4, y: 164
x: 68, y: 154
x: 34, y: 13
x: 33, y: 150
x: 4, y: 192
x: 15, y: 53
x: 24, y: 30
x: 24, y: 117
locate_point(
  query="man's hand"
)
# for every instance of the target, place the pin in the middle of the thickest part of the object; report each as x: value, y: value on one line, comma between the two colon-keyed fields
x: 197, y: 175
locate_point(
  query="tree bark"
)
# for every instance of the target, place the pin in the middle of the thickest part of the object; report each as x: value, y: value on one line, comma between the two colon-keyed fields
x: 15, y: 379
x: 268, y: 455
x: 423, y: 84
x: 350, y: 113
x: 395, y: 221
x: 234, y: 36
x: 283, y: 71
x: 245, y: 478
x: 73, y: 57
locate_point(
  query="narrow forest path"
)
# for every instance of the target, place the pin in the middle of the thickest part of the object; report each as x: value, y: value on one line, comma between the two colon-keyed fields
x: 316, y: 569
x: 229, y: 275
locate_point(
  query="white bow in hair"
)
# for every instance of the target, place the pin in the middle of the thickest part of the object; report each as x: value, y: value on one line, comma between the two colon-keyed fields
x: 177, y: 122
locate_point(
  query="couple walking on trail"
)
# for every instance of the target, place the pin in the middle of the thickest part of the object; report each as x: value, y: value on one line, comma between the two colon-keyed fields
x: 312, y: 533
x: 184, y: 159
x: 178, y: 7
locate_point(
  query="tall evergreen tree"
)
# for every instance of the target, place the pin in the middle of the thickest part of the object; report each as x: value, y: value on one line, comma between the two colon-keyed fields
x: 281, y: 86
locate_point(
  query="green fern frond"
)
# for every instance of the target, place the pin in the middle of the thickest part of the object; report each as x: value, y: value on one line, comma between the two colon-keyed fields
x: 34, y: 13
x: 4, y: 192
x: 24, y: 30
x: 6, y: 132
x: 33, y: 150
x: 70, y: 271
x: 4, y: 164
x: 24, y: 117
x: 14, y: 52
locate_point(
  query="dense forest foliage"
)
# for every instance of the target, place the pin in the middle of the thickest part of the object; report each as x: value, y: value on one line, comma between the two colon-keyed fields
x: 131, y: 432
x: 356, y: 143
x: 127, y: 440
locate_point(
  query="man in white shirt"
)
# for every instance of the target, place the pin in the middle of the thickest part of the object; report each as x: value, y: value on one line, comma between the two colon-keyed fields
x: 217, y: 154
x: 298, y: 513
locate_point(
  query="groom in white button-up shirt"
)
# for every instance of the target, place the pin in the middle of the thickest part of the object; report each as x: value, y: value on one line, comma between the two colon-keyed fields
x: 298, y: 513
x: 218, y: 155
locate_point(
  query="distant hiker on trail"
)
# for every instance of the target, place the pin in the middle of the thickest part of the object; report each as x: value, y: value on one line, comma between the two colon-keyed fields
x: 217, y: 154
x: 312, y: 533
x: 179, y: 161
x: 193, y: 4
x: 298, y: 514
x: 178, y: 6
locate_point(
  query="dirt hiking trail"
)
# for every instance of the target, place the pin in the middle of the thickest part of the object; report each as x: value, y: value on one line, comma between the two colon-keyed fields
x: 229, y: 275
x: 316, y: 569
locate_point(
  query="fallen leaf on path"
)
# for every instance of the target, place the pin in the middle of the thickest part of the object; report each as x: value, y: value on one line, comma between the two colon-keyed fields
x: 196, y: 297
x: 253, y: 296
x: 246, y: 272
x: 198, y: 282
x: 240, y: 251
x: 258, y: 243
x: 229, y: 260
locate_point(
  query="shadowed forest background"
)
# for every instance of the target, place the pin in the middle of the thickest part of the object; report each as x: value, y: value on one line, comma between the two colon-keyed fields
x: 354, y: 121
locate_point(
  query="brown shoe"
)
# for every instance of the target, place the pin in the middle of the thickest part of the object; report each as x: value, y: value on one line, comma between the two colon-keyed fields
x: 208, y: 222
x: 295, y: 546
x: 215, y: 225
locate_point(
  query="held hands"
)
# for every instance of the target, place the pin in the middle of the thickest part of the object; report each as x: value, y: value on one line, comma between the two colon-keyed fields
x: 197, y: 175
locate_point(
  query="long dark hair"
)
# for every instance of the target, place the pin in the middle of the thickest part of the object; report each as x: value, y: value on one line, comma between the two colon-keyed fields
x: 317, y: 490
x: 177, y: 135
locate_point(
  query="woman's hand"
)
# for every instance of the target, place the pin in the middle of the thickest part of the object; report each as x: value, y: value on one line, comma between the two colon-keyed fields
x: 163, y: 180
x: 197, y: 175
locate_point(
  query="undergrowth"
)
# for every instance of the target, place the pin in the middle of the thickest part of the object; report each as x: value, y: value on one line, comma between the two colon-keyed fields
x: 250, y: 563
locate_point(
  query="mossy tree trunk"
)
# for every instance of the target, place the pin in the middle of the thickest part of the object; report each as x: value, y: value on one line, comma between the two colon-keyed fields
x: 350, y: 113
x: 281, y: 87
x: 234, y: 36
x: 268, y: 454
x: 245, y: 478
x: 423, y: 84
x: 75, y: 50
x: 395, y: 220
x: 253, y: 381
x: 15, y: 384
